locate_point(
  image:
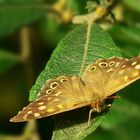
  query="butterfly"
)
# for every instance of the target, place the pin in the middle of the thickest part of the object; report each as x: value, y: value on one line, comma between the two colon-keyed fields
x: 99, y: 82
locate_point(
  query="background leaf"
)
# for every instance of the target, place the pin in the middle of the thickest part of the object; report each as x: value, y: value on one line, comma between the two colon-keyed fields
x: 15, y: 13
x: 67, y: 59
x: 134, y: 4
x: 129, y: 41
x: 7, y: 60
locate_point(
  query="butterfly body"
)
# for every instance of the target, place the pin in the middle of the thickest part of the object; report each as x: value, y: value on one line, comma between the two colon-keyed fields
x: 100, y: 80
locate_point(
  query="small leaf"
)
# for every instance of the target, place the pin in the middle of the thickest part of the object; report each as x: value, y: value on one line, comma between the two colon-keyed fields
x: 74, y: 52
x: 7, y: 60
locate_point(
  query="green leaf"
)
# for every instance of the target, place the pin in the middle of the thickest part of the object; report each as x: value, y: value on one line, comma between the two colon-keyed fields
x: 129, y: 40
x: 134, y: 4
x: 14, y: 14
x: 7, y: 60
x: 129, y: 33
x: 74, y: 52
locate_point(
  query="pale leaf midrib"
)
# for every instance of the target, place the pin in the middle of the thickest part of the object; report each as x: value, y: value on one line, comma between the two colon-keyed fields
x: 86, y: 47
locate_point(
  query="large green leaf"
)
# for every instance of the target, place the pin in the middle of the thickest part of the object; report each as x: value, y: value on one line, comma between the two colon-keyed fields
x: 14, y: 14
x: 74, y: 52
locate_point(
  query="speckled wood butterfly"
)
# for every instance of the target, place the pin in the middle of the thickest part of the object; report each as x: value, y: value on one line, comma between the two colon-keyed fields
x: 100, y: 80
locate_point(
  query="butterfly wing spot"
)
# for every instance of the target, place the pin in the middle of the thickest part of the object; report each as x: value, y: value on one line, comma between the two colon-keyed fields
x: 58, y: 93
x: 60, y: 106
x: 24, y: 108
x: 50, y: 110
x: 112, y: 63
x: 64, y: 80
x: 49, y: 91
x: 36, y: 115
x: 56, y: 99
x: 121, y: 71
x: 137, y: 67
x: 30, y: 112
x: 134, y: 74
x: 125, y: 78
x: 103, y: 64
x: 25, y: 117
x: 110, y: 70
x: 123, y: 66
x: 117, y: 64
x: 40, y: 103
x: 134, y: 63
x: 42, y: 107
x: 92, y: 68
x: 53, y: 85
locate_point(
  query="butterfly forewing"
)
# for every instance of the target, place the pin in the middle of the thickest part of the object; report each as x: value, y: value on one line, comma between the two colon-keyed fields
x: 126, y: 73
x: 59, y: 95
x: 108, y: 76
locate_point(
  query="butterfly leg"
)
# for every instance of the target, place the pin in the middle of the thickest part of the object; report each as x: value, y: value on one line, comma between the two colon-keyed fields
x: 89, y: 117
x: 95, y: 109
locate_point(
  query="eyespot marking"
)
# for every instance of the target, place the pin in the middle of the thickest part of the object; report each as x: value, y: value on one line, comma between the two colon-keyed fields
x: 64, y: 80
x: 103, y: 64
x: 134, y: 63
x: 111, y: 63
x: 36, y: 115
x: 53, y: 85
x: 92, y: 68
x: 137, y: 67
x: 49, y: 91
x: 42, y: 107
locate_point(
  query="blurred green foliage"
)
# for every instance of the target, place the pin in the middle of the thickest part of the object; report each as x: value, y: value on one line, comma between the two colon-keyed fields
x: 46, y: 29
x: 7, y: 60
